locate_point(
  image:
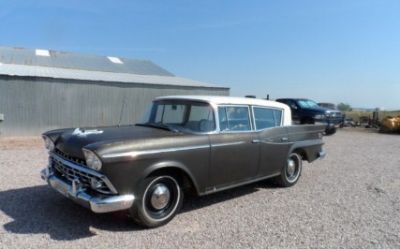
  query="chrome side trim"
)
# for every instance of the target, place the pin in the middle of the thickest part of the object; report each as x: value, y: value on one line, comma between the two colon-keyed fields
x: 215, y: 189
x: 135, y: 154
x: 228, y: 144
x: 85, y: 170
x: 271, y: 141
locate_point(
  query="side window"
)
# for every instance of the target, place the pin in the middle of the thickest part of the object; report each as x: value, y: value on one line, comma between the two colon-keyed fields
x: 267, y: 118
x: 234, y: 118
x: 201, y: 118
x: 199, y: 112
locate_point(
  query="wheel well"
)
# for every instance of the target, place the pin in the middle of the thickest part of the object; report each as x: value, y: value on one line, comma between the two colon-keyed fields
x: 301, y: 152
x: 180, y: 175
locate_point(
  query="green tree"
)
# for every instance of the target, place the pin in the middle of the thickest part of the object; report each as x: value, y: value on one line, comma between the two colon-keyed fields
x: 344, y: 107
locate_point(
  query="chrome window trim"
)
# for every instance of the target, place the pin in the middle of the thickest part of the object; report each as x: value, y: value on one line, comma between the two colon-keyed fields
x: 265, y: 107
x: 230, y: 131
x: 85, y: 170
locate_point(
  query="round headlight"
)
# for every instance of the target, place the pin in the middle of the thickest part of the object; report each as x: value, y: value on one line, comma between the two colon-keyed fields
x: 92, y: 160
x: 48, y: 143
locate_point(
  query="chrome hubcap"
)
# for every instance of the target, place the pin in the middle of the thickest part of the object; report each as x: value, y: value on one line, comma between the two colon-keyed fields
x: 160, y: 196
x: 291, y: 168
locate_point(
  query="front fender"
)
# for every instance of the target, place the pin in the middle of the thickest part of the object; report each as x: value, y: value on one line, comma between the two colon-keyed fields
x: 175, y: 165
x: 55, y: 134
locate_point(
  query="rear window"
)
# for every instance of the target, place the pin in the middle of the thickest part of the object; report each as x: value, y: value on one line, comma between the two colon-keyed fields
x: 267, y: 117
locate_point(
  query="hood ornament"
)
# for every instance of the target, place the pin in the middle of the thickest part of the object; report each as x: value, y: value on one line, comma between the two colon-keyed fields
x: 83, y: 133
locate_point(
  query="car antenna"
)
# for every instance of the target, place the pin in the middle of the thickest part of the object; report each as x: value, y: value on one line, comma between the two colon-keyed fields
x: 122, y: 110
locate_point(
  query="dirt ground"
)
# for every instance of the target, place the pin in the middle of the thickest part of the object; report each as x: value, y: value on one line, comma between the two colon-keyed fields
x: 351, y: 199
x: 20, y: 143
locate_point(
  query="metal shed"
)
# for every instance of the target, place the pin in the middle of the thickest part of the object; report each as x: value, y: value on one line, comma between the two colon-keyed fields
x: 44, y: 89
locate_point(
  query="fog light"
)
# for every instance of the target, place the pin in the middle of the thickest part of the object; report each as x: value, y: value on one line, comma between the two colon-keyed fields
x: 95, y: 184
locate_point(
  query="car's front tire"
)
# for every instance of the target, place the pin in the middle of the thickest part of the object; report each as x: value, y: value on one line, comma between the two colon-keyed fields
x: 159, y: 200
x: 291, y: 172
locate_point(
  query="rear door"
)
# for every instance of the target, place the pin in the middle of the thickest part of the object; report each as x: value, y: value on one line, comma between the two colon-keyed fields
x: 273, y: 139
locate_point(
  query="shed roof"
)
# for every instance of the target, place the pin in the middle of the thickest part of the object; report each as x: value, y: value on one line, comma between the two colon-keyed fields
x: 64, y: 65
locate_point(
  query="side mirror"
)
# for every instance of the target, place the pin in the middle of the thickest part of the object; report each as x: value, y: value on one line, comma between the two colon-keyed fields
x: 293, y: 106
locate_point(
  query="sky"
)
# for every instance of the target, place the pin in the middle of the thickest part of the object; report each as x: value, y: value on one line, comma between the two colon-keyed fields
x: 328, y: 51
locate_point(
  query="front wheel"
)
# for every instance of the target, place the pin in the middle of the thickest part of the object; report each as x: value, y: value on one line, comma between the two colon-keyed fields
x: 330, y: 131
x: 291, y: 172
x: 159, y: 200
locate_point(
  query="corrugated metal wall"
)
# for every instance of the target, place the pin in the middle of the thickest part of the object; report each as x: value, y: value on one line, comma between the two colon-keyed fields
x: 33, y: 105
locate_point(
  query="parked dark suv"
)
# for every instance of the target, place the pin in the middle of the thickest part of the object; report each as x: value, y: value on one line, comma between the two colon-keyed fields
x: 305, y: 111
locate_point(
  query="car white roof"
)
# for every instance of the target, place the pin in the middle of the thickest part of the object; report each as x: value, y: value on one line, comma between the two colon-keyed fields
x: 224, y: 100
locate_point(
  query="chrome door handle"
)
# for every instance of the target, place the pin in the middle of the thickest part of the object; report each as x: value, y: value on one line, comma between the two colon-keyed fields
x: 284, y: 139
x: 255, y: 141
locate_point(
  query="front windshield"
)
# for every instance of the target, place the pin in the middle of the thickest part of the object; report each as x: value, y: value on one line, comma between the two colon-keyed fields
x: 182, y: 115
x: 306, y: 103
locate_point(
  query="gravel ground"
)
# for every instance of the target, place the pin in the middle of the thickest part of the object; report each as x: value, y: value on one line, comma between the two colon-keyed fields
x: 351, y: 199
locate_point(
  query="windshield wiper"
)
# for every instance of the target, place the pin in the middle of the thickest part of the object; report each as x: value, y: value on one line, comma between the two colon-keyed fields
x: 159, y: 126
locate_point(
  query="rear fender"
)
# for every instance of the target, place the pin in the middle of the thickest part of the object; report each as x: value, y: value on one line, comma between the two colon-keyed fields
x: 310, y: 150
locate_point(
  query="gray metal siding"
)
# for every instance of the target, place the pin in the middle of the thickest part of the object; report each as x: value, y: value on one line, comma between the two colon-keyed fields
x: 33, y: 105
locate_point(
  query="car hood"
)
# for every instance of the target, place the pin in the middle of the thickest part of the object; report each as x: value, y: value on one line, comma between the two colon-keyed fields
x: 317, y: 109
x: 71, y: 141
x: 323, y: 110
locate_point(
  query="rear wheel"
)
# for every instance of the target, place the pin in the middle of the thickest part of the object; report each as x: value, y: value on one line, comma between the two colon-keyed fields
x: 291, y: 172
x: 159, y: 200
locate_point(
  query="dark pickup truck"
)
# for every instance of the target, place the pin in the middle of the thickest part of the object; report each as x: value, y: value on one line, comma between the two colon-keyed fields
x: 305, y: 111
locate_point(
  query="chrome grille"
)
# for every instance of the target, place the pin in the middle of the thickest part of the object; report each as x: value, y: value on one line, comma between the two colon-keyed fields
x: 335, y: 120
x: 70, y: 158
x: 69, y: 174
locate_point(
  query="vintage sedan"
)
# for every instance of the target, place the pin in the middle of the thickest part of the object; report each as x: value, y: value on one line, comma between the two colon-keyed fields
x: 186, y: 144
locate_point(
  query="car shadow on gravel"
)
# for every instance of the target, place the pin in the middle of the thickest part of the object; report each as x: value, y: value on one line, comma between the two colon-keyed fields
x: 196, y: 202
x: 41, y: 210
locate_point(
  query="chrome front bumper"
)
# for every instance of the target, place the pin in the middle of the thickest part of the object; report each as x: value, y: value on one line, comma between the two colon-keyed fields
x: 96, y: 203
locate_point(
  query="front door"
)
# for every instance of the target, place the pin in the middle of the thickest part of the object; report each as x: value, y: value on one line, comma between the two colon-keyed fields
x: 234, y: 151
